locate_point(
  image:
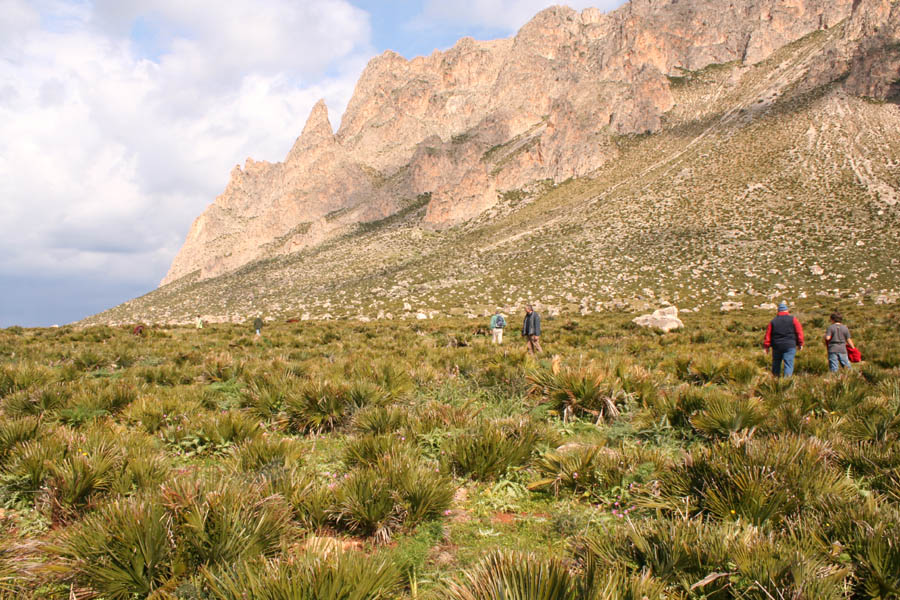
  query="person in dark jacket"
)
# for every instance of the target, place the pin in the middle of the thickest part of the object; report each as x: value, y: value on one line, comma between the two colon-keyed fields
x: 531, y: 330
x: 784, y: 337
x: 258, y: 325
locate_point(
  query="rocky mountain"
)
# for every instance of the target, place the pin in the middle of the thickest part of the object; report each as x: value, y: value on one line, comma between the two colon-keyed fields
x: 671, y: 149
x: 484, y: 118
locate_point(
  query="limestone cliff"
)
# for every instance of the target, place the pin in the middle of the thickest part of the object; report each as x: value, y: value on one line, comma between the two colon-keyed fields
x: 482, y: 118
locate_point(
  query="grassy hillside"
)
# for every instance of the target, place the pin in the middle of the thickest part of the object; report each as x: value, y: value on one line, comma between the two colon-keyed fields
x: 415, y: 460
x: 758, y: 186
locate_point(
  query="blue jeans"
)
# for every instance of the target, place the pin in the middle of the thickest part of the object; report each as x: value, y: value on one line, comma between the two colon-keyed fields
x: 787, y: 356
x: 836, y: 360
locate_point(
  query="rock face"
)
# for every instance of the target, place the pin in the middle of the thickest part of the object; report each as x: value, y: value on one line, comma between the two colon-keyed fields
x: 461, y: 127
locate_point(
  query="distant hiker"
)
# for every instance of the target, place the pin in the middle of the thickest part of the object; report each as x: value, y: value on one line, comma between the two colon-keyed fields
x: 531, y: 330
x: 199, y: 322
x: 784, y: 337
x: 497, y: 325
x: 838, y: 341
x: 258, y: 325
x: 138, y: 331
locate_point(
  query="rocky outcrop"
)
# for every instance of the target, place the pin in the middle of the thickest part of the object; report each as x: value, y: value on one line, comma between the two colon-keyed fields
x: 487, y: 117
x: 873, y: 41
x: 665, y: 319
x: 867, y: 56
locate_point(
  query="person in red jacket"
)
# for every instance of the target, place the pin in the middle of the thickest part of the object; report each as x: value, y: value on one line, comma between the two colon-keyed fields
x: 784, y: 337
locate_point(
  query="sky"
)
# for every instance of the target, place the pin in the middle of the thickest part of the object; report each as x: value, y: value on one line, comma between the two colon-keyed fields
x: 120, y: 121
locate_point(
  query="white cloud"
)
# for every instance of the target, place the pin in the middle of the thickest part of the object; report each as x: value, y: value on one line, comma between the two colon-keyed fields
x: 507, y: 15
x: 113, y: 137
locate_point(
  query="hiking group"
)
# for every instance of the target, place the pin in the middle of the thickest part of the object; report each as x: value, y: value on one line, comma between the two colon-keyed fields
x: 784, y: 338
x: 531, y: 329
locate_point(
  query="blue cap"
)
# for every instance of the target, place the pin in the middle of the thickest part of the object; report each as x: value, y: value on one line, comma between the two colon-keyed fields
x: 782, y: 307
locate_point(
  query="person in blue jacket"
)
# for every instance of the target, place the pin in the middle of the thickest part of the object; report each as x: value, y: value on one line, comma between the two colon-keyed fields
x: 497, y: 325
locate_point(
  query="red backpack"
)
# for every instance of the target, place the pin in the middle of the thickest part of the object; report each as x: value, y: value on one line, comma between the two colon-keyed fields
x: 854, y: 354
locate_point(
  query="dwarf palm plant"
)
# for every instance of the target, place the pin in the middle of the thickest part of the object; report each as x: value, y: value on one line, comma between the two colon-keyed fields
x: 491, y: 448
x: 311, y: 499
x: 725, y: 416
x: 423, y: 491
x: 576, y: 469
x: 879, y: 560
x: 82, y: 476
x: 579, y: 392
x: 14, y: 431
x: 30, y: 465
x: 874, y: 420
x: 223, y: 367
x: 708, y: 369
x: 762, y: 481
x: 322, y: 572
x: 368, y: 449
x: 380, y: 419
x: 266, y: 395
x: 365, y: 505
x: 266, y: 453
x: 623, y: 585
x: 318, y: 407
x: 515, y: 576
x: 790, y: 568
x: 46, y: 400
x: 221, y: 431
x: 679, y: 552
x: 121, y: 552
x: 219, y: 521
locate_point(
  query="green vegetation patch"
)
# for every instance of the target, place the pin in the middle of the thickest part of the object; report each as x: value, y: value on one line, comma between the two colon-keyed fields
x: 339, y: 460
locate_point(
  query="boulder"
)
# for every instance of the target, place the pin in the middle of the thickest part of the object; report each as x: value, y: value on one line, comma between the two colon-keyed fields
x: 730, y: 306
x: 664, y: 319
x: 767, y: 306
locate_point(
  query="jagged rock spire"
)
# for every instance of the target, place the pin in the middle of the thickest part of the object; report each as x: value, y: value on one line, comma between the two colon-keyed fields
x: 316, y: 133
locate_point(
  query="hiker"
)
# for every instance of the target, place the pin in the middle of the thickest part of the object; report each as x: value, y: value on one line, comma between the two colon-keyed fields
x: 138, y: 331
x: 837, y: 341
x: 497, y: 325
x: 531, y: 330
x: 784, y: 337
x: 199, y: 322
x: 258, y: 325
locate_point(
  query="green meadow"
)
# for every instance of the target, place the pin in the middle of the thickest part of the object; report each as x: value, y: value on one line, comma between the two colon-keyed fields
x: 413, y: 459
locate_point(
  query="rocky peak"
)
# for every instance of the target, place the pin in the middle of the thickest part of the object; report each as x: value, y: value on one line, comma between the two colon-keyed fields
x: 317, y: 133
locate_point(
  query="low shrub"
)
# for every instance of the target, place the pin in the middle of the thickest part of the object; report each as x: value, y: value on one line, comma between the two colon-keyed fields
x: 493, y: 447
x: 122, y: 551
x: 322, y: 571
x: 318, y: 407
x: 217, y: 520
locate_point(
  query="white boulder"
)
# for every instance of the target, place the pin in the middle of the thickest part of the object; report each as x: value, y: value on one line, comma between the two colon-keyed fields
x: 664, y: 319
x: 730, y: 306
